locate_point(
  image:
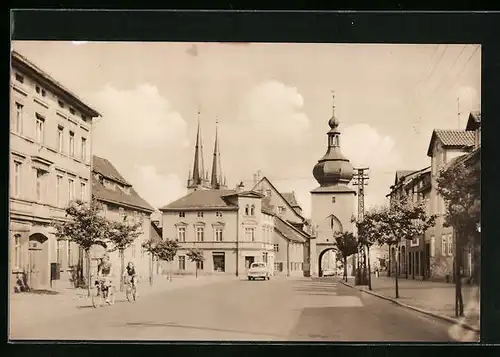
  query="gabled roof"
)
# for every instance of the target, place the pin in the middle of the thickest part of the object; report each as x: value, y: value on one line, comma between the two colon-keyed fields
x: 402, y: 174
x: 290, y: 197
x: 203, y: 199
x: 19, y: 60
x: 266, y: 206
x: 116, y: 196
x: 252, y: 194
x: 105, y: 168
x: 451, y: 139
x: 288, y: 231
x: 474, y: 120
x: 279, y: 193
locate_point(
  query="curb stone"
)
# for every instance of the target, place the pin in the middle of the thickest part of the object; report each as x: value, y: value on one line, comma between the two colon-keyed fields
x: 422, y: 311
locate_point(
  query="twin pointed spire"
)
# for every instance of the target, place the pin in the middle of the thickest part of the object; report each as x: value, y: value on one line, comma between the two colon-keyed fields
x: 199, y: 178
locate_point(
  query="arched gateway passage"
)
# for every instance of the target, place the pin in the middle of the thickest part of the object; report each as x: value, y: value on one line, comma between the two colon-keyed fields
x: 320, y: 260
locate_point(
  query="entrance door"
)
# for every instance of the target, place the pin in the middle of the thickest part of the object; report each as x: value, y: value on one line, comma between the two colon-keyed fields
x: 248, y: 261
x: 34, y: 268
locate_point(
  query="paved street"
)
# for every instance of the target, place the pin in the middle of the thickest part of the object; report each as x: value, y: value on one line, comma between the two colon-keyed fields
x: 275, y: 310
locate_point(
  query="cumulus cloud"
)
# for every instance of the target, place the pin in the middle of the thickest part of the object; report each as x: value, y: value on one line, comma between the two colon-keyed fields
x: 366, y: 147
x: 140, y: 130
x: 156, y: 188
x: 275, y: 109
x: 270, y: 127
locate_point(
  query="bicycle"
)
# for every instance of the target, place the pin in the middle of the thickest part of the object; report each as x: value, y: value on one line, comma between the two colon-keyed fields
x: 131, y: 289
x: 103, y: 292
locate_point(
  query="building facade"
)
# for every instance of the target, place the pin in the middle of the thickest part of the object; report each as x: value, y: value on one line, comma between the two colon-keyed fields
x: 121, y: 202
x: 444, y: 147
x: 333, y: 202
x: 431, y: 256
x: 50, y: 153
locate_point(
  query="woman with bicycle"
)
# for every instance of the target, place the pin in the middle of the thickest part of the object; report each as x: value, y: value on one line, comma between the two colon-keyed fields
x: 130, y: 276
x: 105, y: 277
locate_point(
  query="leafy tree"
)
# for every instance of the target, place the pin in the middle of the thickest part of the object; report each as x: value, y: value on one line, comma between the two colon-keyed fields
x: 403, y: 220
x: 86, y: 227
x: 166, y: 250
x: 347, y: 245
x: 150, y: 247
x: 122, y: 234
x: 459, y: 185
x: 369, y: 233
x: 196, y: 256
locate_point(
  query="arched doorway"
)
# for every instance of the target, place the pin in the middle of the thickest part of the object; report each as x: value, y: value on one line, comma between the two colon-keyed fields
x: 320, y: 260
x: 38, y: 261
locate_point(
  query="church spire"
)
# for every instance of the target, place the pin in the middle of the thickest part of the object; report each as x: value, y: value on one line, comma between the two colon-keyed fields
x: 198, y: 177
x: 216, y: 181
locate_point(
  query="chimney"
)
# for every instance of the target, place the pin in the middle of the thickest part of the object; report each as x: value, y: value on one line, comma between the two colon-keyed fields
x: 240, y: 187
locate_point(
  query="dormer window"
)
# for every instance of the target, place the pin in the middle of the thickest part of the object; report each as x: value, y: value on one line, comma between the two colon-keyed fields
x: 268, y: 193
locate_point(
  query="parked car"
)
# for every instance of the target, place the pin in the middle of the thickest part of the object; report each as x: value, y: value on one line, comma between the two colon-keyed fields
x: 258, y: 270
x: 328, y: 272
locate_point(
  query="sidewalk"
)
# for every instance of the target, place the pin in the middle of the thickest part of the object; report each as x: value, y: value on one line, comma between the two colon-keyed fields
x: 29, y: 309
x: 432, y: 298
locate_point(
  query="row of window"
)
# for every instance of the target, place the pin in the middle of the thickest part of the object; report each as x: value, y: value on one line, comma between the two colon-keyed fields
x: 200, y: 234
x: 200, y: 214
x: 42, y: 92
x: 42, y: 186
x: 40, y: 134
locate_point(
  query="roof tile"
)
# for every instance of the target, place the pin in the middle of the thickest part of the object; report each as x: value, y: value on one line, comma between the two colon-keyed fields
x: 106, y: 169
x: 202, y: 199
x: 460, y: 138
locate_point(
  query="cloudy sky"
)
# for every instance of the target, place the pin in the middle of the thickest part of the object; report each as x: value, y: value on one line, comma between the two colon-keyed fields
x: 273, y: 102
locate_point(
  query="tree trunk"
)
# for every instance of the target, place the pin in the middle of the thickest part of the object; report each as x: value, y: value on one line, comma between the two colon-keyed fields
x: 389, y: 266
x: 459, y: 303
x: 345, y: 269
x: 369, y: 270
x: 396, y: 276
x: 196, y: 270
x: 87, y: 255
x: 170, y: 273
x: 122, y: 268
x: 151, y: 267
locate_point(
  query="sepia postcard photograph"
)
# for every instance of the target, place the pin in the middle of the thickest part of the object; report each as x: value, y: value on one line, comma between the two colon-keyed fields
x: 244, y: 191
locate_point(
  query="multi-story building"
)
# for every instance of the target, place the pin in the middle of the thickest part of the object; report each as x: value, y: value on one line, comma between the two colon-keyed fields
x: 444, y: 147
x: 412, y: 256
x: 120, y: 201
x: 431, y: 256
x: 50, y: 153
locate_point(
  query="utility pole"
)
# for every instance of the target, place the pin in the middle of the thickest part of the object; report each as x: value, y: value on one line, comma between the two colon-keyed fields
x: 361, y: 176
